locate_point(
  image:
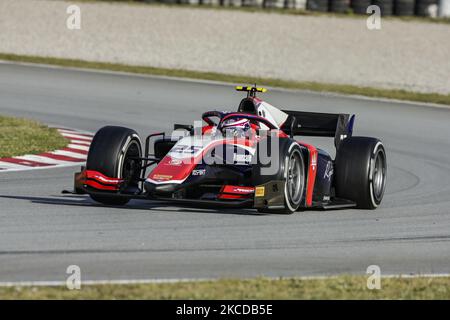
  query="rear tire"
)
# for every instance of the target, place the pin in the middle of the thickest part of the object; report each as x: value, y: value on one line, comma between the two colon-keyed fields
x: 110, y: 153
x: 361, y: 171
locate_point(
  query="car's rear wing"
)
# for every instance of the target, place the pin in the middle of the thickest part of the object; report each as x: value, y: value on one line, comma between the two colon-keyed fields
x: 300, y: 123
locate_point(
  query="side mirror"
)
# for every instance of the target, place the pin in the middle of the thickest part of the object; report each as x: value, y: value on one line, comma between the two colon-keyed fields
x: 187, y: 127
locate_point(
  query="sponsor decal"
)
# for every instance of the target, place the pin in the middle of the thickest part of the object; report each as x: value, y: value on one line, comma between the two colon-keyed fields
x: 198, y: 172
x: 185, y: 149
x: 175, y: 162
x: 162, y: 177
x: 328, y: 171
x: 242, y: 190
x: 259, y: 191
x: 237, y: 190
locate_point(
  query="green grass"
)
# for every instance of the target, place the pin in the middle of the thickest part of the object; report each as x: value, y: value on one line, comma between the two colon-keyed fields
x: 21, y: 136
x: 342, y: 287
x: 239, y: 79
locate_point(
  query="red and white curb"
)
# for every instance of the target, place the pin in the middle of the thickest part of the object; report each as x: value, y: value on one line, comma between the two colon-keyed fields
x: 74, y: 154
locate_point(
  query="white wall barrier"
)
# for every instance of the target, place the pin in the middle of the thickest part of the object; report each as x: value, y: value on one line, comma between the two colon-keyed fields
x: 441, y: 10
x: 444, y: 8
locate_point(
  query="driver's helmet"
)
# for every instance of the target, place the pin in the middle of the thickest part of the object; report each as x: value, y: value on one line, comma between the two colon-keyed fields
x: 238, y: 128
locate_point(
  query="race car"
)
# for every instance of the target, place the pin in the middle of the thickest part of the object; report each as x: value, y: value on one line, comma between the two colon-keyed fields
x: 251, y: 158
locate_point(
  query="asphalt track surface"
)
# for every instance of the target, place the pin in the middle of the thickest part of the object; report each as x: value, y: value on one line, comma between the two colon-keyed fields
x: 42, y: 232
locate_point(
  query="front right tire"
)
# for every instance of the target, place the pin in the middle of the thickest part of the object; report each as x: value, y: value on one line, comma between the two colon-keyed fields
x: 295, y: 178
x: 291, y: 170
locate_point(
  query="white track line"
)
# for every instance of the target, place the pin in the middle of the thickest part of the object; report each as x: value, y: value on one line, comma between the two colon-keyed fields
x: 96, y: 282
x: 180, y: 280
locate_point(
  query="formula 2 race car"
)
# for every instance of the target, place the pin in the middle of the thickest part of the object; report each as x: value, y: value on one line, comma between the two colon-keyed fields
x: 245, y: 159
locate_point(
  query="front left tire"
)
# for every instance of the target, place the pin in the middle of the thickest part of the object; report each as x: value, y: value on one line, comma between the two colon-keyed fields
x: 113, y: 152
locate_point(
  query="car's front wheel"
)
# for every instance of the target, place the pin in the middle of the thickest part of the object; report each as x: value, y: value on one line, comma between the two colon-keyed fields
x: 291, y: 170
x: 295, y: 179
x: 115, y: 152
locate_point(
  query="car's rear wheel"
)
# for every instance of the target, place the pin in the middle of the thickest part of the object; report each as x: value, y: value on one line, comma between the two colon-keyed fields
x: 361, y: 171
x: 114, y: 152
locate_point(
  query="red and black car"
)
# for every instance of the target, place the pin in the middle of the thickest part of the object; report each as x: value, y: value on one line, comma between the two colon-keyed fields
x: 252, y: 158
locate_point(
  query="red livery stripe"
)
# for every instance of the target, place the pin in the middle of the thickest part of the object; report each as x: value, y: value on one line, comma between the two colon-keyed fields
x: 312, y: 171
x: 232, y: 196
x: 97, y: 185
x: 91, y: 174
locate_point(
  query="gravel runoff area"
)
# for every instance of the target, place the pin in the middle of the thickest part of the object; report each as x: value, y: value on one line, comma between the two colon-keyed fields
x: 406, y: 55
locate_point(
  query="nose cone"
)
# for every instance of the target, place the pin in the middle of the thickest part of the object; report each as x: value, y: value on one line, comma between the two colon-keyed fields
x: 172, y: 170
